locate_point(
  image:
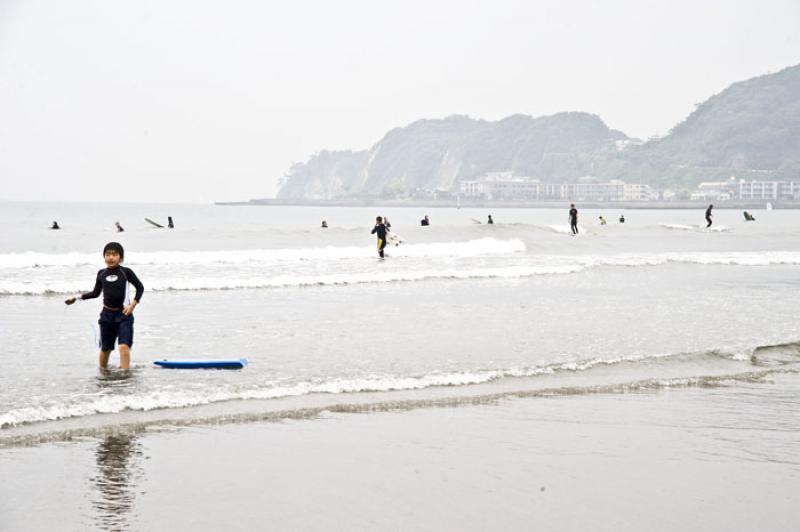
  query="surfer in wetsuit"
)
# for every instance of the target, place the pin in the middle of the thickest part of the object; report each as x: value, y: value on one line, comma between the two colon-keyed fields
x: 602, y: 221
x: 380, y: 229
x: 119, y: 227
x: 490, y: 221
x: 425, y: 221
x: 708, y: 215
x: 573, y: 218
x: 749, y: 217
x: 55, y: 225
x: 170, y: 223
x: 116, y: 318
x: 622, y: 218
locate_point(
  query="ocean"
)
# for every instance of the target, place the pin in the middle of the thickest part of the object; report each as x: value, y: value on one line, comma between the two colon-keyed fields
x: 502, y: 320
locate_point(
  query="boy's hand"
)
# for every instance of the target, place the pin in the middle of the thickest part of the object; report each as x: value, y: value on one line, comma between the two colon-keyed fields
x: 129, y: 309
x: 70, y: 301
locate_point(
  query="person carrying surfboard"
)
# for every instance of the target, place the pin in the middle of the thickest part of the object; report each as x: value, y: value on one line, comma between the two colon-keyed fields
x: 116, y: 318
x: 380, y: 229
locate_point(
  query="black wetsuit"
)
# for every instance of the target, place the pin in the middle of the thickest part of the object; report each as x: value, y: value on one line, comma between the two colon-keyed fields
x: 708, y: 216
x: 381, y: 230
x: 114, y: 324
x: 114, y: 285
x: 573, y: 220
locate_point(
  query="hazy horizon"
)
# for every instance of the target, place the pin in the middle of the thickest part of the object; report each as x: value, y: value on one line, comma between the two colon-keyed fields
x: 186, y: 102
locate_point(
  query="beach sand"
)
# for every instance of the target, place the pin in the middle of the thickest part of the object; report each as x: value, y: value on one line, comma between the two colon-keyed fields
x: 674, y: 459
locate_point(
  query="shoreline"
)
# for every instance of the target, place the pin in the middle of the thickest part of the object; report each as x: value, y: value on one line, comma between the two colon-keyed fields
x: 451, y: 203
x: 621, y: 462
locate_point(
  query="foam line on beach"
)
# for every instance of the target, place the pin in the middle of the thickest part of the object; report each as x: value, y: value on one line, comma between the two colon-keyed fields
x: 349, y: 404
x: 103, y: 404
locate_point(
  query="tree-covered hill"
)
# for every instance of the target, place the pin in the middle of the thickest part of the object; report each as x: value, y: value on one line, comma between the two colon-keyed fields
x: 751, y: 129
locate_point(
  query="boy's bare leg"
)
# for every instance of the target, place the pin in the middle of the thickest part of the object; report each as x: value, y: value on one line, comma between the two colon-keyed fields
x: 104, y: 359
x: 124, y: 356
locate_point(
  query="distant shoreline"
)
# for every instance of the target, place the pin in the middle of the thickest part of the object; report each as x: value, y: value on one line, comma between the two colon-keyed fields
x: 451, y: 203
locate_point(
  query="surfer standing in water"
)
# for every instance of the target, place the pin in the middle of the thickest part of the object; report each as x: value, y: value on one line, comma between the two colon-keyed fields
x: 573, y: 218
x: 708, y: 215
x: 380, y: 229
x: 116, y: 318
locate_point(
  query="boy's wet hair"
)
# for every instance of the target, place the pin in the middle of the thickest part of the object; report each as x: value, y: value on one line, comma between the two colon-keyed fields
x: 115, y: 246
x: 378, y: 219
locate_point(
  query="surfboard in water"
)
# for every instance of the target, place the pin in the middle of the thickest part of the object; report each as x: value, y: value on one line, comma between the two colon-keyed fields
x: 151, y: 222
x: 393, y: 239
x: 232, y: 363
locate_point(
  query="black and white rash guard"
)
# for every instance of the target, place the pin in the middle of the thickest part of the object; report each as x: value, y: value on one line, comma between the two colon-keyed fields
x: 114, y: 285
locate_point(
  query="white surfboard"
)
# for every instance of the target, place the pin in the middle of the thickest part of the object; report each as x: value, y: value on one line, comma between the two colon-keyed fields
x: 393, y: 239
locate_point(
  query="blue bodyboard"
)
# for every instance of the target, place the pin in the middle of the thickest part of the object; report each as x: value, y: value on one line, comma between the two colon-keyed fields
x: 232, y: 363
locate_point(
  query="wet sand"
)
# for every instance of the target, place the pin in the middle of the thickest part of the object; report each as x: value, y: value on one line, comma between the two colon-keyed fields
x: 709, y: 458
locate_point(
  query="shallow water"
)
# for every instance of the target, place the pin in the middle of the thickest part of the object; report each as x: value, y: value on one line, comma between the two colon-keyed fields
x: 458, y: 304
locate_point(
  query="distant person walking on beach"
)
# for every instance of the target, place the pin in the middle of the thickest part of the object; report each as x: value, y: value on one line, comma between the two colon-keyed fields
x: 573, y: 218
x: 170, y: 223
x: 55, y: 225
x: 119, y: 227
x: 708, y: 215
x: 425, y: 222
x: 380, y: 229
x: 490, y: 221
x: 116, y: 318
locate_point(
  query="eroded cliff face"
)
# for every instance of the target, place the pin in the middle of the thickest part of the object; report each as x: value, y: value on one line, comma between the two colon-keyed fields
x: 436, y: 154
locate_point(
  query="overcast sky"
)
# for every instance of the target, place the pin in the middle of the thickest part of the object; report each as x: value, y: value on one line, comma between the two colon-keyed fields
x: 197, y: 101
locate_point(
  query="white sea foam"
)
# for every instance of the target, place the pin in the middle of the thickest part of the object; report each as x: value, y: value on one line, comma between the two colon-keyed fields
x: 697, y: 228
x: 86, y: 405
x: 470, y: 248
x: 257, y: 275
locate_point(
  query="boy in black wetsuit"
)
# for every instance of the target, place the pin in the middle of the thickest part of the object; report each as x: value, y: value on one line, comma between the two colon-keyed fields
x: 708, y: 216
x: 116, y: 318
x: 381, y: 230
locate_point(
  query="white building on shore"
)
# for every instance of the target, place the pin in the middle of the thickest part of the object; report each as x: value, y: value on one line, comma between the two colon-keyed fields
x: 769, y: 190
x: 747, y: 190
x: 506, y: 186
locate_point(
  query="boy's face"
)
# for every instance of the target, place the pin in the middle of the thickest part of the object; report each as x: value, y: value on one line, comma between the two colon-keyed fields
x: 112, y: 258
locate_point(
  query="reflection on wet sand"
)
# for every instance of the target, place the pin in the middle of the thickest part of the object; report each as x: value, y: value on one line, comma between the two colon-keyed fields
x: 118, y: 471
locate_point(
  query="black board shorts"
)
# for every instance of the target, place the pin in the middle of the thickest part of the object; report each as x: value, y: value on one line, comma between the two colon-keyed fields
x: 114, y: 325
